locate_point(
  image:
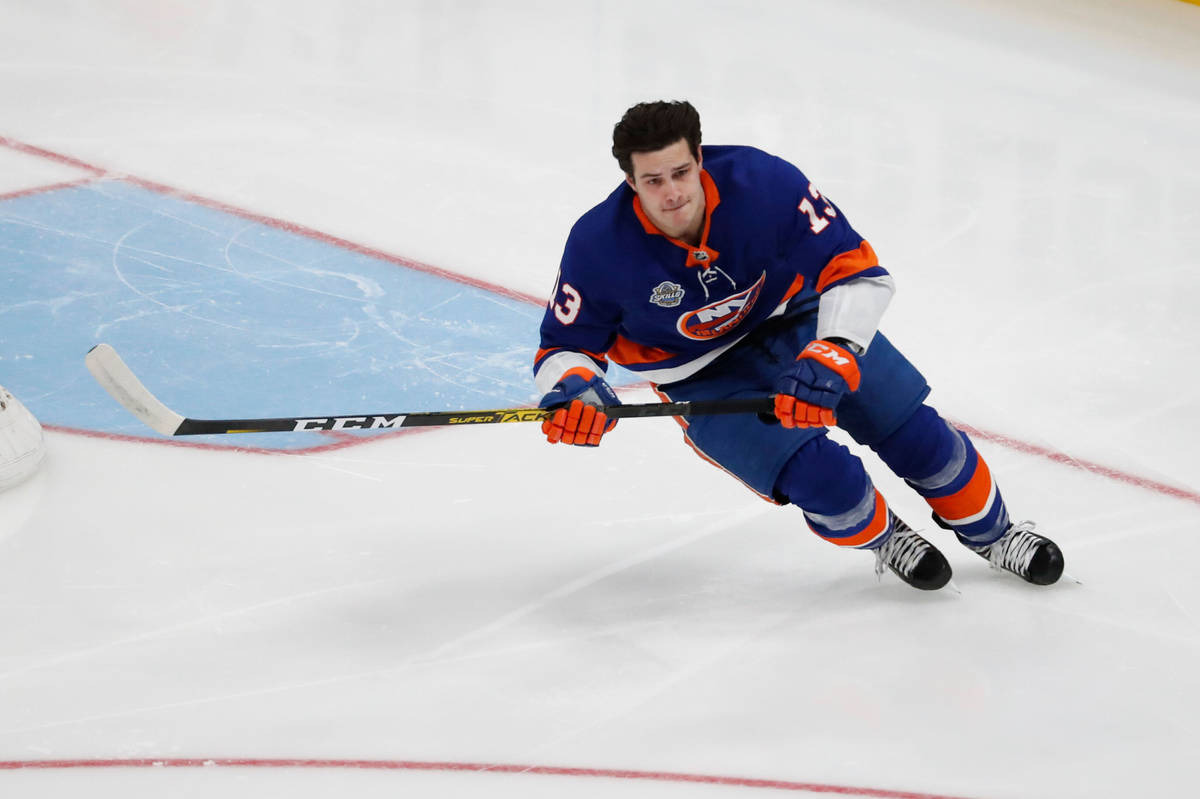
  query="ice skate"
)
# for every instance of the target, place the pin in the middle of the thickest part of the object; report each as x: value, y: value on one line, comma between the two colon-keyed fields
x: 1032, y: 557
x: 913, y: 559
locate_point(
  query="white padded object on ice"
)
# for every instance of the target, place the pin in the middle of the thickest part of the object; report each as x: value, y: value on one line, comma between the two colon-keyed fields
x: 21, y: 444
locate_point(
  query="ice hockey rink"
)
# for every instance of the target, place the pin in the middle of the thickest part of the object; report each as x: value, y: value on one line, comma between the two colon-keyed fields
x: 282, y: 208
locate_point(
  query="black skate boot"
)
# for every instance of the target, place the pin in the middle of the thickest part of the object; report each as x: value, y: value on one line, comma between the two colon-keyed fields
x: 1032, y: 557
x: 913, y: 559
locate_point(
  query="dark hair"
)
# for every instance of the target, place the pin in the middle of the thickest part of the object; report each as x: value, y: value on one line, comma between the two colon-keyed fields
x: 652, y: 126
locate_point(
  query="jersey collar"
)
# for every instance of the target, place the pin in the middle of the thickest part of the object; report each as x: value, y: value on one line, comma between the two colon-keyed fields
x: 702, y: 255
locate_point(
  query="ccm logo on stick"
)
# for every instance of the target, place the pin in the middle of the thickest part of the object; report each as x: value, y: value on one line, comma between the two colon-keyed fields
x: 351, y: 423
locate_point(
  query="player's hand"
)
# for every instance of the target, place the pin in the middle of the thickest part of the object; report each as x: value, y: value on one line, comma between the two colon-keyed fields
x: 807, y: 394
x: 576, y: 400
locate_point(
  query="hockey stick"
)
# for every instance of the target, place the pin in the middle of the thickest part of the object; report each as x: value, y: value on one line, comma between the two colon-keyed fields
x: 123, y: 385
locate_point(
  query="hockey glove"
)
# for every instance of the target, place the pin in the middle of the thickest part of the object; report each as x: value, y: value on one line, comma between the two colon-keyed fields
x: 807, y: 395
x: 576, y: 400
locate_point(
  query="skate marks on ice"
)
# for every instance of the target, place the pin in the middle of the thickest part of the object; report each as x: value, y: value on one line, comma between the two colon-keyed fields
x: 229, y: 317
x: 244, y: 337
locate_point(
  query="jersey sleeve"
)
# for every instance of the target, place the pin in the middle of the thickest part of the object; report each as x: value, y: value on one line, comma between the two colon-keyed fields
x: 581, y: 319
x: 852, y: 310
x: 817, y: 236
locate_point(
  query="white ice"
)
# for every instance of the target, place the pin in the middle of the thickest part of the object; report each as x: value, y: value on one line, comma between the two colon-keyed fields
x: 1029, y: 172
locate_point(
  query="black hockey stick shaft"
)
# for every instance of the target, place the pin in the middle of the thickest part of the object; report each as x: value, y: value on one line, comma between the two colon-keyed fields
x: 390, y: 421
x: 123, y: 385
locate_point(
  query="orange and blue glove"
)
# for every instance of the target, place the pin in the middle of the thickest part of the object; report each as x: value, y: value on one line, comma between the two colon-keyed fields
x: 808, y: 394
x: 577, y: 400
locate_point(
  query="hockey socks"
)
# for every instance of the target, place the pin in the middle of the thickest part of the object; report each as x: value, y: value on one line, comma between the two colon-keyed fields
x: 830, y: 485
x: 941, y: 464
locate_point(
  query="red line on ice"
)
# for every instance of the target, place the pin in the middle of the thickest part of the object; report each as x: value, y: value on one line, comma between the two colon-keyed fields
x: 1080, y: 463
x: 270, y: 221
x: 57, y: 158
x: 497, y: 768
x: 361, y: 249
x: 66, y: 184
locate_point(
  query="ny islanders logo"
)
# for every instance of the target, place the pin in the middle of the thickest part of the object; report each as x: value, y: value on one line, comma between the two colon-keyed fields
x: 718, y: 318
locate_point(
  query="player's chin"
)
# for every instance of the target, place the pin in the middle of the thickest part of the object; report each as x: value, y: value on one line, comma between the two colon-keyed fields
x: 675, y: 222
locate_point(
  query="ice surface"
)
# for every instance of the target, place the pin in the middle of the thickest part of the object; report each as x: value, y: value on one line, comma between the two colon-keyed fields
x: 1028, y: 174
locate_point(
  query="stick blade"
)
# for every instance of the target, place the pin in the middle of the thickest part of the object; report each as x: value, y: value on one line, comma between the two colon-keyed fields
x: 123, y: 385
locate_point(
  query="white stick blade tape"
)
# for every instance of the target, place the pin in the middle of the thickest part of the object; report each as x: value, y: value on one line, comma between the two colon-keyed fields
x: 122, y: 385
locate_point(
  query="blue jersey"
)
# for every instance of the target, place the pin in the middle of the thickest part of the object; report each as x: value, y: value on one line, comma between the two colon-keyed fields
x: 665, y: 309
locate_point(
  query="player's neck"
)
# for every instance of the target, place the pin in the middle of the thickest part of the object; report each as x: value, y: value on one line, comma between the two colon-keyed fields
x: 691, y: 236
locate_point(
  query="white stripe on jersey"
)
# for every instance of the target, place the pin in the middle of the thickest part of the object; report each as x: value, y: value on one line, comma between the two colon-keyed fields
x: 558, y: 364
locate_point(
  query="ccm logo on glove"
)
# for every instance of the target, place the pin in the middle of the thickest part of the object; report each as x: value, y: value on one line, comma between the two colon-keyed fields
x: 807, y: 395
x: 836, y: 358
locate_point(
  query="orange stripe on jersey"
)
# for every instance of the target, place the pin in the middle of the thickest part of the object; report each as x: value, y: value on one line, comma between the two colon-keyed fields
x: 683, y: 422
x: 874, y: 528
x: 970, y: 500
x: 848, y: 264
x: 598, y: 357
x: 794, y: 289
x: 626, y: 352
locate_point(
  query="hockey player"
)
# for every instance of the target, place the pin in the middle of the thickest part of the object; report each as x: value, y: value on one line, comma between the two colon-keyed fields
x: 724, y: 272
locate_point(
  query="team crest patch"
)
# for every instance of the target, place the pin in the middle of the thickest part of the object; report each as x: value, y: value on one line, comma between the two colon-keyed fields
x: 718, y: 318
x: 667, y: 294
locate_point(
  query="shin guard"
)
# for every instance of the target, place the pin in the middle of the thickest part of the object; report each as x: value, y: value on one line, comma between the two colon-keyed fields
x: 839, y: 501
x: 942, y: 465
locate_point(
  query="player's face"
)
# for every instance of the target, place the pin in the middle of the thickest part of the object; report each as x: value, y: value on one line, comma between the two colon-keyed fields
x: 668, y: 183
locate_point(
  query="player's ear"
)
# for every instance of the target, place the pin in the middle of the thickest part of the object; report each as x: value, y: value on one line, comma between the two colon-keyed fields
x: 629, y: 180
